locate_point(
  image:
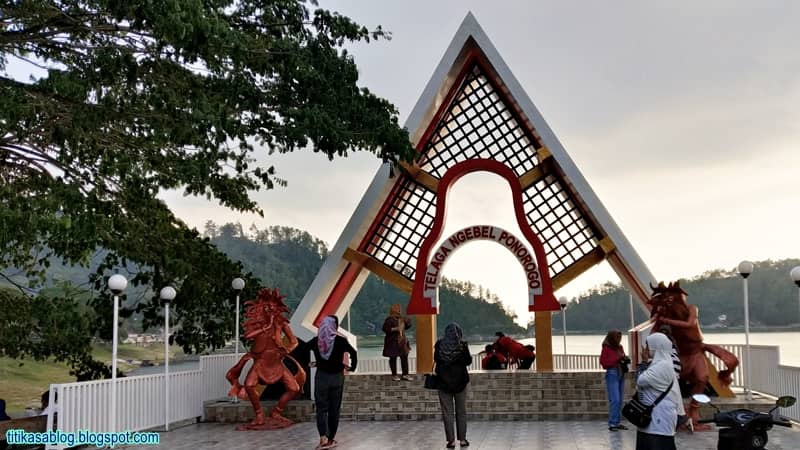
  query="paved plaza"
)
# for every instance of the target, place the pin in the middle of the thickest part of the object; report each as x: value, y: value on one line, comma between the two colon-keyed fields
x: 430, y: 435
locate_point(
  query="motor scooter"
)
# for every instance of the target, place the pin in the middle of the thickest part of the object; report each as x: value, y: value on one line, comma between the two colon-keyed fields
x: 744, y: 429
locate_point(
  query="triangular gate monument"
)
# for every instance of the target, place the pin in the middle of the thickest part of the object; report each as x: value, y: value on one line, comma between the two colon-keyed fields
x: 473, y: 116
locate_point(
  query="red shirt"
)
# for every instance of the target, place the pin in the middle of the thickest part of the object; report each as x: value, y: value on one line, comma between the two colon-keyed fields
x: 512, y: 348
x: 500, y: 358
x: 609, y: 357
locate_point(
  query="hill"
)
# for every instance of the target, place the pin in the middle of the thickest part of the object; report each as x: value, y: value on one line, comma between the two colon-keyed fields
x: 289, y: 259
x: 773, y: 299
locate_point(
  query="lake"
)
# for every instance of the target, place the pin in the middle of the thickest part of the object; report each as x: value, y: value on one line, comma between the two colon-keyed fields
x: 789, y: 343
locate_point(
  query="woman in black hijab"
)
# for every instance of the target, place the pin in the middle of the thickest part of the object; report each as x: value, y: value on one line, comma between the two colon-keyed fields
x: 451, y: 355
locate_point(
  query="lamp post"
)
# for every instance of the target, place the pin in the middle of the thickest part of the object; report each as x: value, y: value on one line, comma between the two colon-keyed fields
x: 630, y: 303
x: 795, y: 274
x: 563, y: 302
x: 167, y: 295
x: 117, y: 283
x: 745, y: 269
x: 237, y: 284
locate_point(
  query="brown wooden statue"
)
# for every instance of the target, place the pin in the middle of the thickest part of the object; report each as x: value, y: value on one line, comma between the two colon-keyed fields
x: 668, y: 306
x: 266, y: 324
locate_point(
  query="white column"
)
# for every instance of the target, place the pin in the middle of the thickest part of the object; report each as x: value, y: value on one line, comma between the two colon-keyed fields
x: 564, y: 327
x: 236, y: 343
x: 747, y: 362
x: 630, y: 302
x: 113, y: 415
x: 166, y: 366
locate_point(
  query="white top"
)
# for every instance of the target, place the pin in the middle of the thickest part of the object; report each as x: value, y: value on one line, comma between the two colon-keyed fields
x: 654, y: 381
x: 665, y: 414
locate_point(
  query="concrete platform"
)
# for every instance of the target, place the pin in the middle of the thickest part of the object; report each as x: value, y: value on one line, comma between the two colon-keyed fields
x: 571, y: 435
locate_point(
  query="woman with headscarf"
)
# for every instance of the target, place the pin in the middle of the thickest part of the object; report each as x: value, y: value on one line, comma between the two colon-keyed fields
x: 329, y: 349
x: 659, y: 377
x: 395, y: 344
x: 451, y: 356
x: 613, y: 359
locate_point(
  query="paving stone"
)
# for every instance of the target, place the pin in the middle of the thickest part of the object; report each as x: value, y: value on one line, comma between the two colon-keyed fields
x: 572, y: 435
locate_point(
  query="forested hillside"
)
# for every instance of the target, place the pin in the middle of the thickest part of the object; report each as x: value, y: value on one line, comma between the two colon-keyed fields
x: 289, y: 259
x: 773, y: 300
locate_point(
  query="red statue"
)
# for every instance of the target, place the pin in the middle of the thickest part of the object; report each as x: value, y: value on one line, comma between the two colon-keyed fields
x: 668, y: 306
x: 265, y: 323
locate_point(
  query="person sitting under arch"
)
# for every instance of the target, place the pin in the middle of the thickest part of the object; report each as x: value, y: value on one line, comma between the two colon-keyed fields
x: 515, y: 352
x: 493, y: 360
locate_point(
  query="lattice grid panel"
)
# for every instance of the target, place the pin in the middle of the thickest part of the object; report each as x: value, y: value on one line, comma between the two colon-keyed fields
x: 397, y: 238
x: 479, y: 124
x: 554, y: 217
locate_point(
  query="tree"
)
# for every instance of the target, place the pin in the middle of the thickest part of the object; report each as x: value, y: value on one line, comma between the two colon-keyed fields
x: 131, y: 98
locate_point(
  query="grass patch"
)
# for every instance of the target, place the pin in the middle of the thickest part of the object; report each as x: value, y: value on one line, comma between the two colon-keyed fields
x: 23, y: 381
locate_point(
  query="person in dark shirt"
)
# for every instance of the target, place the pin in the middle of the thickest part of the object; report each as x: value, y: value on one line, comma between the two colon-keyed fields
x: 3, y: 415
x: 329, y: 349
x: 452, y: 357
x: 493, y: 360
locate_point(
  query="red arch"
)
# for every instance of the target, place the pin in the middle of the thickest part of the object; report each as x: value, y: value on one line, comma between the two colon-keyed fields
x: 418, y: 304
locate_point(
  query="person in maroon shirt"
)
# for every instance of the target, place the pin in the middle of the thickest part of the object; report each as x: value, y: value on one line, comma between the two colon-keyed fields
x: 515, y: 352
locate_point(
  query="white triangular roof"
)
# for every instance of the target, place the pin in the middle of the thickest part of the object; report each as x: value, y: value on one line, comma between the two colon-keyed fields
x: 434, y: 93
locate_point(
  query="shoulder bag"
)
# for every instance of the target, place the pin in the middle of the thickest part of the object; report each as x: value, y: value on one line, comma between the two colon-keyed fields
x: 431, y: 380
x: 640, y: 414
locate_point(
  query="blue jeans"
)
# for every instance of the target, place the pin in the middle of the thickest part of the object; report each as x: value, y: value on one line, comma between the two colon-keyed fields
x: 615, y: 386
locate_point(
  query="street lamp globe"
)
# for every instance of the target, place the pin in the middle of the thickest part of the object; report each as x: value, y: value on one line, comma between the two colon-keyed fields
x: 745, y: 268
x: 117, y: 283
x: 563, y: 302
x: 795, y: 274
x: 237, y: 284
x: 168, y: 294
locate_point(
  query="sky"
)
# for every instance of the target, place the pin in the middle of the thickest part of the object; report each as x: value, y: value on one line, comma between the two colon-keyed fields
x: 684, y: 117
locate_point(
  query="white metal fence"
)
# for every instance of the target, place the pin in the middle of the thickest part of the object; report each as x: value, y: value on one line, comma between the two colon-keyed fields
x: 140, y: 399
x: 560, y: 362
x: 140, y: 402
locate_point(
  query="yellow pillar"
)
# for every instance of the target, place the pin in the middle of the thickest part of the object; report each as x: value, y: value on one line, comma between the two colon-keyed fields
x: 544, y: 341
x: 426, y: 337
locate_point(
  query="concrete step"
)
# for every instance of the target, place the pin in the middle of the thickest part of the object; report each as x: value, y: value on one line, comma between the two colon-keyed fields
x: 492, y: 395
x: 225, y: 411
x: 501, y: 416
x: 569, y: 406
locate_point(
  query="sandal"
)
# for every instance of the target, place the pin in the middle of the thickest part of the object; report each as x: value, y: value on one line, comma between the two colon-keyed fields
x: 464, y: 443
x: 332, y: 443
x: 451, y: 444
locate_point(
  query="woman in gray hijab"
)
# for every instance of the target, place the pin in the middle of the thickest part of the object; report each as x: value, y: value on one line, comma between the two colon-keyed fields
x: 451, y: 355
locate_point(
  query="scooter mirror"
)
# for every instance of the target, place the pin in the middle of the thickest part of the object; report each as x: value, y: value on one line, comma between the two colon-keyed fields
x: 701, y: 398
x: 786, y: 401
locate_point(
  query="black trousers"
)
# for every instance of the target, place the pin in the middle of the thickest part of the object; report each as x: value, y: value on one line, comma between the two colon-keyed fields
x: 328, y: 389
x: 647, y: 441
x: 526, y: 363
x: 403, y: 364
